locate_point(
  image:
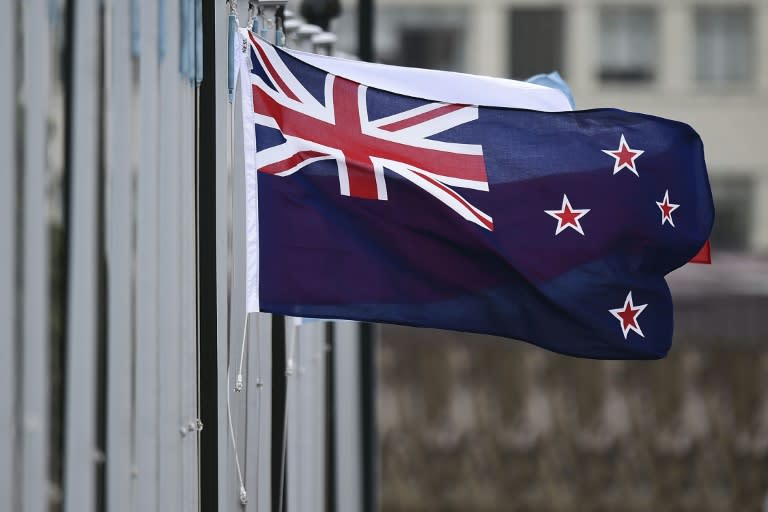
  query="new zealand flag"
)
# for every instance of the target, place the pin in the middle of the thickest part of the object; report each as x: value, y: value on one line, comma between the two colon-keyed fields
x: 556, y: 228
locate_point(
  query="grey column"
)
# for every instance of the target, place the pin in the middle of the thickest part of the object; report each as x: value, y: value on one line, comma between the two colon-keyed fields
x: 120, y: 334
x: 170, y: 420
x: 80, y: 445
x: 348, y: 422
x: 146, y: 293
x: 8, y: 222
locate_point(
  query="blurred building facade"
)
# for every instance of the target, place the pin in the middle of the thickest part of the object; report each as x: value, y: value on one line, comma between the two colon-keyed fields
x: 488, y: 425
x: 475, y: 423
x: 704, y: 62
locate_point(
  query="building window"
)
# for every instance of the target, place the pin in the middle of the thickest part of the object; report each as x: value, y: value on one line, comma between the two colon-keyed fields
x: 724, y: 44
x: 628, y: 49
x: 433, y: 48
x: 733, y: 212
x: 432, y: 37
x: 536, y: 41
x: 422, y: 37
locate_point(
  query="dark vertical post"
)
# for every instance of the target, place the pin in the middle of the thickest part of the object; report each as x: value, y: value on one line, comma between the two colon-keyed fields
x: 330, y: 419
x: 279, y: 395
x: 366, y: 52
x: 101, y: 280
x: 365, y: 13
x: 368, y: 416
x: 206, y: 262
x: 61, y: 252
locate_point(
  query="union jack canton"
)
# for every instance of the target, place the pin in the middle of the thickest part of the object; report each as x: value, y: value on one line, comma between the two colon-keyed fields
x: 337, y: 127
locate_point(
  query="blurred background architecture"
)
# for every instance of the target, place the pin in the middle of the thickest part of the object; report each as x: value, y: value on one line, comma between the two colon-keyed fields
x: 476, y: 423
x: 119, y: 284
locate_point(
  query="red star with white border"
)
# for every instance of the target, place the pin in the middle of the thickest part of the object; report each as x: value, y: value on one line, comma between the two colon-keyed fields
x: 567, y: 217
x: 666, y: 209
x: 627, y: 315
x: 625, y: 157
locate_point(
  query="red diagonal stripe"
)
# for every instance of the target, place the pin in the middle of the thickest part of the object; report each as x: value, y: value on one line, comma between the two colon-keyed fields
x: 272, y: 72
x: 420, y: 118
x: 356, y: 146
x: 290, y: 163
x: 483, y: 220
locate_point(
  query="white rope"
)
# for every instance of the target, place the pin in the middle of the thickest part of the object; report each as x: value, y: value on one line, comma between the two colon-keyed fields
x: 243, y: 494
x: 239, y: 379
x: 239, y: 384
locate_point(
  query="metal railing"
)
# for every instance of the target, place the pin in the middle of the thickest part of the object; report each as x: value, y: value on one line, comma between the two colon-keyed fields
x: 294, y: 440
x: 121, y: 277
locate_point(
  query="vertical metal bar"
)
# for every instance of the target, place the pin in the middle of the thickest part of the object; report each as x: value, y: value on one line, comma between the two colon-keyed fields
x: 188, y: 354
x: 169, y: 224
x: 82, y: 295
x: 368, y: 417
x: 365, y: 28
x: 318, y: 425
x: 293, y: 419
x: 212, y: 224
x: 134, y: 123
x: 279, y: 409
x: 206, y: 246
x: 310, y: 395
x: 169, y: 254
x: 330, y: 419
x: 120, y: 333
x: 305, y: 424
x: 222, y: 216
x: 303, y: 420
x: 367, y: 52
x: 146, y: 295
x: 34, y: 347
x: 349, y: 440
x: 8, y: 221
x: 193, y: 345
x: 259, y: 406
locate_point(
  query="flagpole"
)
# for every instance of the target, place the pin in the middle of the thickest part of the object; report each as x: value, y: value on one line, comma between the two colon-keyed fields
x: 206, y: 258
x: 365, y: 40
x: 366, y: 52
x: 274, y: 28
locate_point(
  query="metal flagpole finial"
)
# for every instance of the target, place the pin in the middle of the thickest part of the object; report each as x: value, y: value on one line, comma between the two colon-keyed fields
x: 290, y: 26
x: 280, y: 26
x: 254, y: 13
x: 324, y: 43
x: 271, y: 14
x: 304, y: 36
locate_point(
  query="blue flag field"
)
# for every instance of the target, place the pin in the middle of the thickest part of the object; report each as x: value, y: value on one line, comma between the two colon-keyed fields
x: 552, y: 227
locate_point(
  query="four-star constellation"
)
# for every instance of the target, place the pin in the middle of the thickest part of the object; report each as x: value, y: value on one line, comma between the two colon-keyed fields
x: 569, y: 217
